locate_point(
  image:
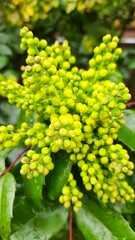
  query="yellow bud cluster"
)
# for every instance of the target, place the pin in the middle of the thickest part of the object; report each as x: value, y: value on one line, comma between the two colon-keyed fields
x: 104, y: 171
x: 10, y: 137
x: 36, y: 163
x: 71, y: 194
x: 78, y: 111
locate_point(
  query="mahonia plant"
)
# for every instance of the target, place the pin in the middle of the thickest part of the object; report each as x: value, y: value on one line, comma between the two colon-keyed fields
x: 74, y: 110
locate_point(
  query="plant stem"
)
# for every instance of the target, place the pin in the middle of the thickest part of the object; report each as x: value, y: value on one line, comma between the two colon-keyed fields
x: 129, y: 104
x: 71, y: 224
x: 16, y: 159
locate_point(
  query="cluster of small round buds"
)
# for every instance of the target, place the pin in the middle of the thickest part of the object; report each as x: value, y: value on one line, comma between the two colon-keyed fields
x: 71, y: 194
x: 35, y: 135
x: 119, y: 160
x: 104, y: 57
x: 64, y: 132
x: 10, y: 137
x: 110, y: 160
x: 37, y: 163
x: 79, y: 111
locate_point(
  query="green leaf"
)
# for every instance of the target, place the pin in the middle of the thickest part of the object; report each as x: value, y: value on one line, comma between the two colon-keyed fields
x: 90, y: 226
x: 131, y: 65
x: 58, y: 177
x: 4, y: 37
x: 5, y: 50
x: 8, y: 72
x: 3, y: 155
x: 22, y: 213
x: 127, y: 133
x: 70, y: 7
x: 64, y: 234
x: 43, y: 225
x: 3, y: 61
x: 113, y: 220
x: 9, y: 113
x: 23, y: 118
x: 50, y: 221
x: 33, y: 190
x: 25, y: 232
x: 7, y: 194
x: 127, y: 208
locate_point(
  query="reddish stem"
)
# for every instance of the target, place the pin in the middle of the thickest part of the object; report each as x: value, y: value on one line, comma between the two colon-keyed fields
x: 71, y: 224
x: 16, y: 159
x: 129, y: 104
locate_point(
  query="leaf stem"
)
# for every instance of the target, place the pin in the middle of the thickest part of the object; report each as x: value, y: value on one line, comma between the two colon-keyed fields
x: 71, y: 223
x: 16, y: 159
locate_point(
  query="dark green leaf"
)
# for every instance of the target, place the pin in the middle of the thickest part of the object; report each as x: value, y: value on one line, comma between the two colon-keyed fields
x: 3, y: 61
x: 64, y: 234
x: 131, y: 64
x: 33, y: 189
x: 127, y: 132
x: 25, y: 232
x: 127, y: 208
x: 7, y: 194
x: 50, y: 221
x: 58, y: 177
x: 90, y: 226
x: 44, y: 225
x: 113, y: 220
x: 22, y: 213
x: 4, y: 37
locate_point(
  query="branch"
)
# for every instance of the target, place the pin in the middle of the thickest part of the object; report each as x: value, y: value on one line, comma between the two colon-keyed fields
x: 129, y: 104
x: 16, y: 159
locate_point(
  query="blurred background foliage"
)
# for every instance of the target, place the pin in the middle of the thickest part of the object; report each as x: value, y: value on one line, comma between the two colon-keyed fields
x: 82, y: 22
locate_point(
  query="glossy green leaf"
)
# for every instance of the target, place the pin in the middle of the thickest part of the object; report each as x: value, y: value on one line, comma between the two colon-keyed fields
x: 90, y: 226
x: 127, y: 208
x: 127, y: 132
x: 50, y: 221
x: 43, y: 225
x: 58, y: 177
x: 26, y: 232
x: 7, y: 194
x: 33, y: 189
x: 113, y: 220
x: 22, y: 213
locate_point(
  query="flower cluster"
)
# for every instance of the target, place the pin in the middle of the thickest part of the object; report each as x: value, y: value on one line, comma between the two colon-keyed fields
x: 71, y: 194
x: 75, y: 110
